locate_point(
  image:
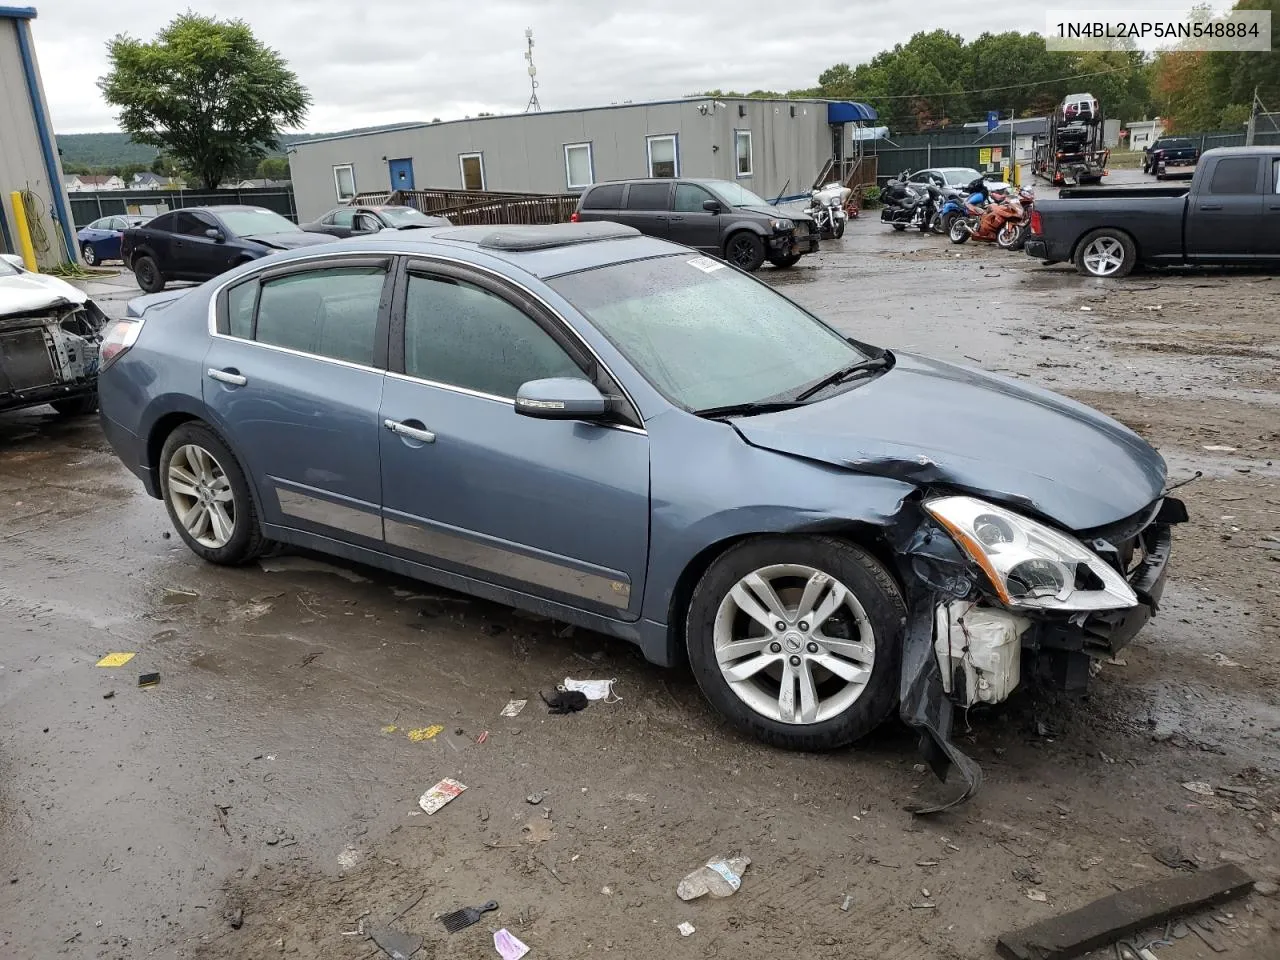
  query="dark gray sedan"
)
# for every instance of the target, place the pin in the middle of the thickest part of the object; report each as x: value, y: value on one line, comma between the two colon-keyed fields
x: 623, y: 434
x: 349, y: 221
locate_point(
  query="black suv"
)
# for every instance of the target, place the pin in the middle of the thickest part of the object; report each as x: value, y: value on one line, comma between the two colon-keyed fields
x: 716, y: 216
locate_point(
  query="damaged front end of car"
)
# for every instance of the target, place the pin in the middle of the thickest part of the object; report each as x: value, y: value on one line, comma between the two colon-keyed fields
x: 49, y: 354
x: 996, y: 597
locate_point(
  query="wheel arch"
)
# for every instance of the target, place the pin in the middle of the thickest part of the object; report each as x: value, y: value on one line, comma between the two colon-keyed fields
x: 164, y: 427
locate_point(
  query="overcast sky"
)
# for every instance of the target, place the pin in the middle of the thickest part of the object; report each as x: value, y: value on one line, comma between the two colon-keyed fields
x: 378, y: 61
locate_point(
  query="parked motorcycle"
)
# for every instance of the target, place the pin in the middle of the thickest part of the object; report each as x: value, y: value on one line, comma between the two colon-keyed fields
x: 904, y: 206
x: 827, y: 207
x: 1013, y: 233
x: 950, y: 204
x: 982, y: 220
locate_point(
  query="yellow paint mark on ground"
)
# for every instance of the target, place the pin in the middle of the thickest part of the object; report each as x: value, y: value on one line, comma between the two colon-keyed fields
x: 115, y: 659
x: 390, y: 728
x: 424, y: 733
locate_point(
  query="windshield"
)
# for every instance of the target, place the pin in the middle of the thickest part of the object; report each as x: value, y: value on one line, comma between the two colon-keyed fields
x: 959, y: 176
x: 704, y: 334
x: 403, y: 216
x: 735, y: 194
x: 7, y: 269
x: 256, y: 223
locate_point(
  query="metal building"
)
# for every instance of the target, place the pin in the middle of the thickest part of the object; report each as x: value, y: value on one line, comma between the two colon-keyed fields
x: 772, y: 147
x: 28, y: 151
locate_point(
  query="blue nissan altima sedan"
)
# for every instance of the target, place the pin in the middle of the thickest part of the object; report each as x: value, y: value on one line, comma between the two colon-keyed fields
x: 620, y: 433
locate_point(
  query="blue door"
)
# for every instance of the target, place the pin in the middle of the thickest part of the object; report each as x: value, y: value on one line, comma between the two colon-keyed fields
x: 555, y: 509
x: 401, y: 173
x: 294, y: 380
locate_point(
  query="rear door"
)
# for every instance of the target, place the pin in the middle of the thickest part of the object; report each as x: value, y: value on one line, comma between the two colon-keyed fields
x: 294, y: 378
x: 1270, y: 233
x: 690, y: 222
x: 1224, y: 218
x: 556, y: 509
x: 647, y: 207
x: 602, y: 203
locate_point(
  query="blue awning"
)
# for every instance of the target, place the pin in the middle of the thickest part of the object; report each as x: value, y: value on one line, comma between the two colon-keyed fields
x: 848, y: 111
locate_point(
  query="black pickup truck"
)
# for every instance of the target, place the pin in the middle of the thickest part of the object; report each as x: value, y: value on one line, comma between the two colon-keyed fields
x: 1229, y: 214
x: 1169, y: 155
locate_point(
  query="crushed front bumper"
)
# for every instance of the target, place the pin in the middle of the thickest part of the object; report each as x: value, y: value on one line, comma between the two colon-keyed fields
x: 801, y: 239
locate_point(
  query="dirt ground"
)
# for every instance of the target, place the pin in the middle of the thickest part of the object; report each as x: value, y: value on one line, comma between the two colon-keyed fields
x: 270, y: 777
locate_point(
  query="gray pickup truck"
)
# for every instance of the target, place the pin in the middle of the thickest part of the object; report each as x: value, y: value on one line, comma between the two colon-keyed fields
x: 1229, y: 214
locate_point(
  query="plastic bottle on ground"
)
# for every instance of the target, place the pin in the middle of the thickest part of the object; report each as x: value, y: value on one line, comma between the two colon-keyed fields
x: 720, y: 877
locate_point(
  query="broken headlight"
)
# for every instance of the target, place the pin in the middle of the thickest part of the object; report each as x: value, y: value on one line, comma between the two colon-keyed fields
x: 1030, y: 565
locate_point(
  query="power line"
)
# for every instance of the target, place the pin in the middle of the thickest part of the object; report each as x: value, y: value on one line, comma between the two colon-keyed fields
x: 1012, y: 86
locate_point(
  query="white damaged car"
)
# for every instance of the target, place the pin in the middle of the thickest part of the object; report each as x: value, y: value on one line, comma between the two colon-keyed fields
x: 49, y: 337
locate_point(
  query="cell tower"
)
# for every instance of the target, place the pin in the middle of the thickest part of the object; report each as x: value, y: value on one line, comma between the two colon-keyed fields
x: 533, y: 73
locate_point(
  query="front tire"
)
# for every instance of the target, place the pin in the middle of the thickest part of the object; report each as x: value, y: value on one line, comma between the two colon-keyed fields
x: 829, y: 676
x: 839, y: 232
x: 207, y: 496
x: 147, y: 272
x: 745, y: 251
x: 1007, y: 238
x: 1107, y: 253
x: 89, y: 255
x: 785, y: 263
x: 899, y: 227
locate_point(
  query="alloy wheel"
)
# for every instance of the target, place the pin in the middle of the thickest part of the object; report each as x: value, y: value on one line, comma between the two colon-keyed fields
x: 794, y: 644
x: 90, y: 255
x: 202, y: 496
x: 1104, y: 256
x: 742, y: 252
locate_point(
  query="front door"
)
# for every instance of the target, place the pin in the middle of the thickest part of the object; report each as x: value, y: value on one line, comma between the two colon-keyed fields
x: 194, y: 255
x: 691, y: 223
x: 552, y: 509
x: 1271, y: 212
x: 1222, y: 221
x: 294, y: 379
x: 401, y: 173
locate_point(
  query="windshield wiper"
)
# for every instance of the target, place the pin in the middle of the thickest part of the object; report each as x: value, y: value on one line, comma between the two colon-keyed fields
x: 882, y: 362
x: 747, y: 409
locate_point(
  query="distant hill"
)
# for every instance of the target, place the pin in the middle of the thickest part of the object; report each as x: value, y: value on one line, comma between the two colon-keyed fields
x: 115, y: 149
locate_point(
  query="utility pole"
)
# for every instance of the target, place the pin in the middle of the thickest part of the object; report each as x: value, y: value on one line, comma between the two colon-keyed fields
x: 1253, y: 120
x: 533, y: 104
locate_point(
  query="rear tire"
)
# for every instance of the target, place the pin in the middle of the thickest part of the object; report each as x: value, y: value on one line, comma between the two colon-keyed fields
x: 745, y: 251
x: 1108, y: 254
x: 76, y: 406
x: 191, y: 492
x: 147, y: 272
x: 860, y: 636
x: 899, y: 227
x: 784, y: 263
x: 957, y: 232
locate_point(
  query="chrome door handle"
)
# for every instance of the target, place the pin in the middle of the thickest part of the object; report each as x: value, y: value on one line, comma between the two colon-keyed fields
x: 223, y: 376
x: 413, y: 433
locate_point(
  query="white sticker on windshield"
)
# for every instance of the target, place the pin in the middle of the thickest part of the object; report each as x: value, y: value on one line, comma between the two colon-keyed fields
x: 706, y: 264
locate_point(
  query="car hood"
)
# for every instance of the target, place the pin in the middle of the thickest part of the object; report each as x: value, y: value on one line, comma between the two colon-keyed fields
x: 291, y: 240
x: 782, y: 211
x: 24, y: 292
x: 929, y: 422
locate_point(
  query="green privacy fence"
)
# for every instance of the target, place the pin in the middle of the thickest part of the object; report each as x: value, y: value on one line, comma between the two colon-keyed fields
x: 89, y: 206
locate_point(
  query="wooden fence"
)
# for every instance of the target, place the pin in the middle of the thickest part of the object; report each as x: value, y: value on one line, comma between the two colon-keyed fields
x: 480, y: 206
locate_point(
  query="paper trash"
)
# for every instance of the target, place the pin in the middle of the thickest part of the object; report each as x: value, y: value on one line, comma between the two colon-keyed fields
x: 439, y: 795
x: 508, y: 946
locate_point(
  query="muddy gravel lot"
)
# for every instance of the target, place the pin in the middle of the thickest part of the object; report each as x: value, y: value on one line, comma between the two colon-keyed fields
x: 261, y: 799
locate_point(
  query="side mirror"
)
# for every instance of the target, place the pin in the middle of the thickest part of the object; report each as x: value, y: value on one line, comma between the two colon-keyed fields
x: 560, y: 398
x: 213, y: 233
x: 14, y: 261
x: 711, y: 206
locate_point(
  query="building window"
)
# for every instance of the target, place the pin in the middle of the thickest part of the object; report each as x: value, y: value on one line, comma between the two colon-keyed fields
x: 344, y: 178
x: 578, y: 168
x: 472, y: 167
x: 742, y: 150
x: 663, y: 156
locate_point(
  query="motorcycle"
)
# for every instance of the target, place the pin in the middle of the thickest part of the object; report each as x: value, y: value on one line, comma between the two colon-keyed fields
x: 985, y: 213
x: 903, y: 205
x: 950, y: 204
x: 1013, y: 233
x: 827, y: 207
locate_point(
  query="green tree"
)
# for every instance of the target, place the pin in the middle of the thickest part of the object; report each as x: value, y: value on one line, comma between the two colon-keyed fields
x: 273, y: 168
x: 206, y: 92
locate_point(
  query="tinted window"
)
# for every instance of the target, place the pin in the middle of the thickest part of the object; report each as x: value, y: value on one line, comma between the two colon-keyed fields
x: 1275, y: 175
x: 648, y: 196
x: 342, y: 218
x: 240, y: 303
x: 163, y: 222
x: 608, y: 197
x: 689, y: 198
x: 459, y: 334
x: 188, y: 224
x: 1235, y: 175
x: 331, y: 313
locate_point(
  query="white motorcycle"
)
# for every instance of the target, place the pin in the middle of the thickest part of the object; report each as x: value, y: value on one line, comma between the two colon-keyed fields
x: 826, y: 206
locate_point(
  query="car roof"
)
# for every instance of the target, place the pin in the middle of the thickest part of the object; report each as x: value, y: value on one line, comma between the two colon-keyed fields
x: 699, y: 180
x: 223, y: 207
x: 543, y: 251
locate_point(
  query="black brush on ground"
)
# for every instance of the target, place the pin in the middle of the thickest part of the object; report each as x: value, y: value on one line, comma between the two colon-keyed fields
x: 461, y: 919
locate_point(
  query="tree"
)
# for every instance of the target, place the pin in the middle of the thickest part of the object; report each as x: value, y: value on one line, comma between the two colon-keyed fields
x: 273, y: 168
x: 206, y: 92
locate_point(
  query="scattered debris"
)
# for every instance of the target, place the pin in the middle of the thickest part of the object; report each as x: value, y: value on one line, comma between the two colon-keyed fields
x: 439, y: 795
x: 307, y: 565
x: 721, y: 877
x: 1222, y: 660
x: 508, y: 945
x: 115, y: 659
x: 390, y: 728
x: 1173, y: 857
x: 1028, y: 874
x: 565, y: 701
x: 1219, y: 448
x: 1266, y: 888
x: 236, y: 918
x: 108, y: 695
x: 420, y: 734
x: 148, y: 679
x: 348, y: 858
x: 593, y: 689
x: 513, y: 708
x: 687, y: 929
x: 220, y: 814
x: 1038, y: 896
x: 848, y: 901
x: 1198, y: 787
x: 394, y: 943
x: 180, y: 595
x: 538, y: 830
x: 1106, y: 920
x: 467, y: 916
x: 482, y: 737
x: 1205, y: 930
x: 535, y: 798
